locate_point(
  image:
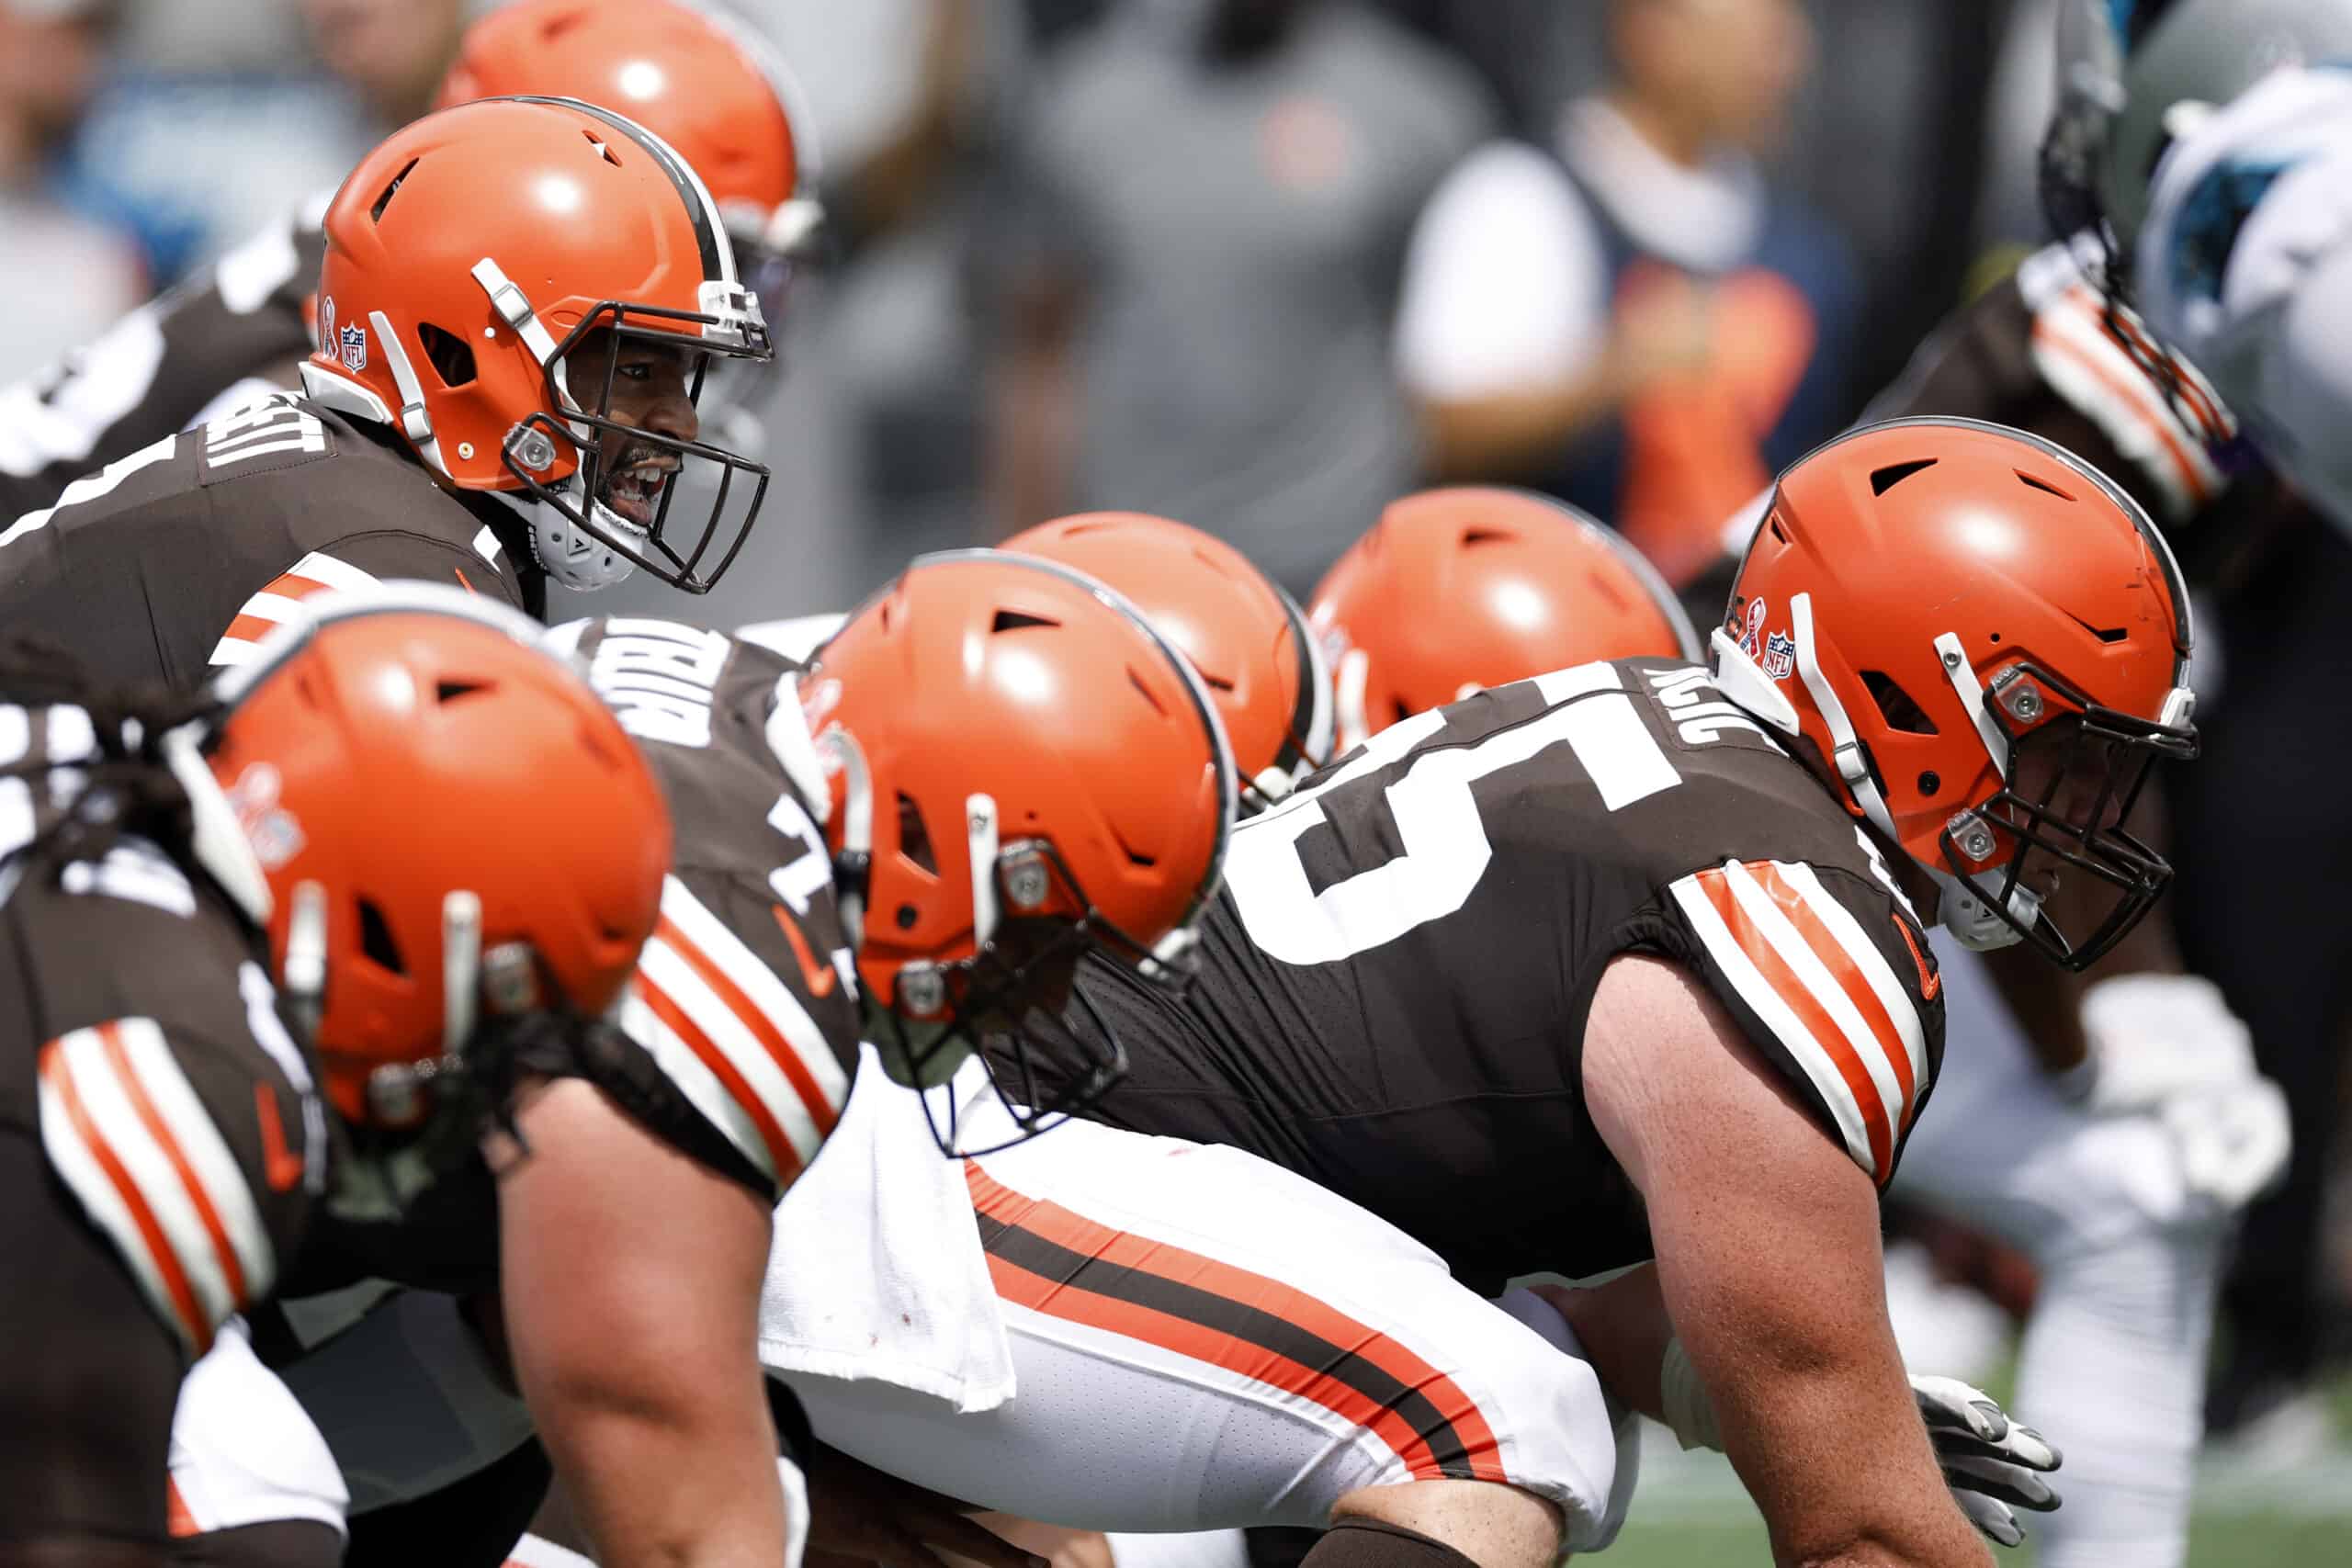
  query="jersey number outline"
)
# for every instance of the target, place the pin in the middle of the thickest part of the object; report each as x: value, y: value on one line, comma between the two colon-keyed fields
x: 1446, y: 850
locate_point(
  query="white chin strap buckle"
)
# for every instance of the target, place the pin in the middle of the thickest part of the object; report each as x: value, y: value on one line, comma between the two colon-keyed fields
x: 574, y: 556
x: 1966, y: 909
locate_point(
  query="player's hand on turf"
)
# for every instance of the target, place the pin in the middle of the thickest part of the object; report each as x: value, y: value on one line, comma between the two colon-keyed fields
x: 1993, y: 1464
x: 858, y: 1515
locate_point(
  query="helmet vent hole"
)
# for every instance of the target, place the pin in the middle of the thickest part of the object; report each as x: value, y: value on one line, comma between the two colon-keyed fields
x: 1895, y: 705
x: 1471, y: 536
x: 375, y: 213
x: 604, y: 148
x: 1778, y: 530
x: 1886, y: 479
x: 375, y: 938
x: 451, y: 356
x: 914, y: 839
x: 2042, y: 485
x: 1018, y: 620
x: 1135, y: 856
x: 1145, y: 692
x: 450, y: 691
x: 1929, y: 782
x: 1216, y: 682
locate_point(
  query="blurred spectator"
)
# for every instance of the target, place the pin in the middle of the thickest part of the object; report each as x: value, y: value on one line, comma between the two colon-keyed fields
x: 1632, y: 317
x: 68, y: 276
x: 1213, y: 197
x: 215, y: 123
x: 393, y: 53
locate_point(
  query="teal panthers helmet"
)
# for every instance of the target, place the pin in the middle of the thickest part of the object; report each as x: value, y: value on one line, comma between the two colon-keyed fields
x: 2132, y: 72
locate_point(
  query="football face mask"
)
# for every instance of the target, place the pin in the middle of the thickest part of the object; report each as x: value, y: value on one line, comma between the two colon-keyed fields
x: 1018, y: 994
x: 639, y: 376
x: 2048, y: 853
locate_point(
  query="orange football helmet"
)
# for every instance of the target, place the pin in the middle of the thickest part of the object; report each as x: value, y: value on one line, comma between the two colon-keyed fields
x: 469, y: 253
x: 388, y: 767
x: 1243, y: 634
x: 702, y: 81
x: 1023, y: 770
x: 1476, y: 585
x: 1982, y: 644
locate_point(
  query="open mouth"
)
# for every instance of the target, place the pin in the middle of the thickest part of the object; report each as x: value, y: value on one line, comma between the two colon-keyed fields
x: 633, y: 489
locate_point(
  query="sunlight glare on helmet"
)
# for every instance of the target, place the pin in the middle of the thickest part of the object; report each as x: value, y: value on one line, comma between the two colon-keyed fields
x: 558, y: 194
x: 641, y: 80
x: 1025, y: 675
x: 395, y: 688
x: 1519, y: 605
x: 1994, y: 536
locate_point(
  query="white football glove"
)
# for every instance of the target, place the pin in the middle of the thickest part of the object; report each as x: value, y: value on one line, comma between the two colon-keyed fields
x: 2167, y: 1047
x: 1993, y: 1465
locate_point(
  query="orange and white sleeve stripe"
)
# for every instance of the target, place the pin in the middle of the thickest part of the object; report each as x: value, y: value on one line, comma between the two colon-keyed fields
x: 317, y: 572
x: 125, y: 1131
x: 1804, y: 965
x: 733, y: 1038
x: 2086, y: 362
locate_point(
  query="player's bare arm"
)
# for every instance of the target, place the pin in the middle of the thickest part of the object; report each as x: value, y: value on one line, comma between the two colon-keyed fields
x: 631, y: 1275
x: 1774, y: 1282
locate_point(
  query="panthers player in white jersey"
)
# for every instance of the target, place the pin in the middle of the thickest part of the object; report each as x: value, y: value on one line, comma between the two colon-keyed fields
x: 2246, y: 265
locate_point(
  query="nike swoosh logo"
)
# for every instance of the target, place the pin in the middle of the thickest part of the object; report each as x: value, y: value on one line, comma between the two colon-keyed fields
x: 820, y: 978
x: 1930, y: 982
x: 281, y: 1165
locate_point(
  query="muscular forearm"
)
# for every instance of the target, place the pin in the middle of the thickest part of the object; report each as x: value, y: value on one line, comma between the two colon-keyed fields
x: 647, y: 1492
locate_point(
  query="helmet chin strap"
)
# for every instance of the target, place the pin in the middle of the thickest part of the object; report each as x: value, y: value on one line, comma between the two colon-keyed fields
x: 1965, y: 908
x: 219, y: 842
x: 1355, y: 671
x: 841, y: 750
x: 1963, y: 905
x: 980, y: 834
x: 460, y: 968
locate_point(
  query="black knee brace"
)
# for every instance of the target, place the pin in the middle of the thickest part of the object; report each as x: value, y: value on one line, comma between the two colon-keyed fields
x: 1367, y: 1543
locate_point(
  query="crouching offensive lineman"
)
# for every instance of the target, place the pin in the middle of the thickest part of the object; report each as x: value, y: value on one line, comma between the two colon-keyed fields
x: 1008, y: 768
x: 339, y: 817
x: 1621, y: 966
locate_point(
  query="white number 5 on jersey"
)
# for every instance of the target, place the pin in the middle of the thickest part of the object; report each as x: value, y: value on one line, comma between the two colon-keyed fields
x: 1445, y: 845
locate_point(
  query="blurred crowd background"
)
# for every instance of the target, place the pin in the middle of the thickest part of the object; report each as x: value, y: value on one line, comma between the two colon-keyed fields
x: 1259, y: 265
x: 1176, y: 255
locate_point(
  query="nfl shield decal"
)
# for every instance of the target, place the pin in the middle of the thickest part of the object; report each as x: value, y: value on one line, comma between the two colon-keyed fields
x: 353, y: 340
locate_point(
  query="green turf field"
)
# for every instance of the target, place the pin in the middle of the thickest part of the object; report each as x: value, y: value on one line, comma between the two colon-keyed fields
x: 1690, y: 1513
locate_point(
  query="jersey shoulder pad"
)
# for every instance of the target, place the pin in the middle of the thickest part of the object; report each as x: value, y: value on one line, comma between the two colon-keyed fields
x: 360, y: 561
x: 1829, y: 976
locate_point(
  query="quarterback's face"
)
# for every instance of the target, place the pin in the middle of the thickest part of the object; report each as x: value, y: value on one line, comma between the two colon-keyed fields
x: 652, y: 387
